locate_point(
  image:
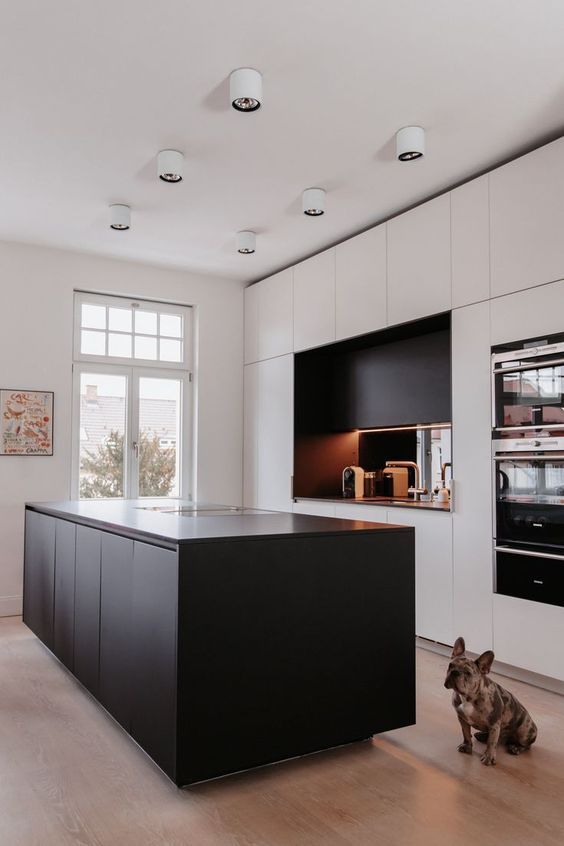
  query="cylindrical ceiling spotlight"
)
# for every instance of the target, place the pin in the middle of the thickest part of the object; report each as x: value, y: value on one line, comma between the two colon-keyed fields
x: 170, y: 165
x: 410, y: 143
x: 313, y: 201
x: 120, y: 217
x: 246, y: 242
x: 245, y: 89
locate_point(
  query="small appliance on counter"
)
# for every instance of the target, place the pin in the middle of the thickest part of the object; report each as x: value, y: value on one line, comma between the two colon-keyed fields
x: 353, y: 482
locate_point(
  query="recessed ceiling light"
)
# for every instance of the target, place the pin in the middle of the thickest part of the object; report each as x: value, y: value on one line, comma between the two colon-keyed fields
x: 246, y: 242
x: 313, y: 201
x: 120, y: 217
x: 410, y: 143
x: 170, y: 165
x: 245, y: 89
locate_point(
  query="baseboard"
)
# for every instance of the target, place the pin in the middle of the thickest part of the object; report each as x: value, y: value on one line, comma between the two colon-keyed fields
x: 10, y: 606
x: 507, y: 670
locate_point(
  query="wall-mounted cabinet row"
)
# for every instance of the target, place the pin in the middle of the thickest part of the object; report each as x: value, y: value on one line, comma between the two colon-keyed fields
x: 495, y: 235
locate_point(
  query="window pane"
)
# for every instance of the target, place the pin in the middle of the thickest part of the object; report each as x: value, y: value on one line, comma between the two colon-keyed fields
x: 103, y: 401
x: 170, y: 350
x: 159, y: 428
x: 119, y: 319
x: 119, y: 345
x: 92, y: 343
x: 146, y: 322
x: 145, y: 347
x: 93, y: 316
x: 171, y: 325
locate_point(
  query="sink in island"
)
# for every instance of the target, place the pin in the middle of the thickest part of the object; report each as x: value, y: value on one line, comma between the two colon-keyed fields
x: 223, y: 638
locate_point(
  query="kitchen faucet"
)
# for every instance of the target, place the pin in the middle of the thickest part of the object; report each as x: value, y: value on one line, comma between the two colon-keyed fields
x: 444, y: 466
x: 417, y: 490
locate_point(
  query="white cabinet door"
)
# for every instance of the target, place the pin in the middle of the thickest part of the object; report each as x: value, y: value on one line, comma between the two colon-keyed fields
x: 529, y: 635
x: 275, y: 315
x: 251, y: 323
x: 370, y: 513
x: 470, y: 242
x: 527, y: 220
x: 250, y: 436
x: 361, y: 283
x: 314, y: 508
x: 472, y: 469
x: 314, y: 301
x: 528, y: 314
x: 419, y: 278
x: 433, y: 570
x: 275, y: 432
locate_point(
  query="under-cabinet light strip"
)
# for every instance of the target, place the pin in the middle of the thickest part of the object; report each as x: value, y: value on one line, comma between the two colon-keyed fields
x: 408, y: 428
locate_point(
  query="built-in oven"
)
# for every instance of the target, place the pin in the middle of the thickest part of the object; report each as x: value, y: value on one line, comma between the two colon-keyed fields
x: 528, y: 459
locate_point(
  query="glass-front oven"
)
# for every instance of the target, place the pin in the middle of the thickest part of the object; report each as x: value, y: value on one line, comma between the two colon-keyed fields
x: 529, y: 388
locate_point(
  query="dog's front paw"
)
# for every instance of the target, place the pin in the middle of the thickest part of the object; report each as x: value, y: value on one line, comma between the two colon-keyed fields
x: 466, y: 748
x: 488, y: 759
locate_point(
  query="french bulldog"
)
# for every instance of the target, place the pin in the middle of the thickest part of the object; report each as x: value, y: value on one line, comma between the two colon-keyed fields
x: 483, y: 704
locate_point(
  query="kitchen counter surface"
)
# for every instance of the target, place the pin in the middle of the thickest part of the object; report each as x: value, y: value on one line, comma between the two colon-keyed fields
x: 382, y: 501
x: 198, y: 522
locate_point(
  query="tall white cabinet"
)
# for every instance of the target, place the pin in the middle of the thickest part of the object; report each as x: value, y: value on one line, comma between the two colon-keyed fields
x: 314, y: 301
x: 360, y: 284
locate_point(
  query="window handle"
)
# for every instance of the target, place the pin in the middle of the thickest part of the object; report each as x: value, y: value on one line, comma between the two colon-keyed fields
x: 135, y: 448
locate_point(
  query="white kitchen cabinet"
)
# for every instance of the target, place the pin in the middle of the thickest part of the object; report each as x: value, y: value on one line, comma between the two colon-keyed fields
x: 419, y: 277
x: 528, y: 314
x: 251, y: 323
x: 472, y: 466
x: 433, y: 570
x: 314, y: 301
x: 370, y: 513
x: 361, y: 283
x: 470, y: 242
x: 268, y: 434
x: 275, y: 315
x: 529, y: 635
x: 315, y: 508
x: 527, y: 220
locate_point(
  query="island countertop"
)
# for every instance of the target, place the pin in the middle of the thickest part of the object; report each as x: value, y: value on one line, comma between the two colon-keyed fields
x: 175, y: 522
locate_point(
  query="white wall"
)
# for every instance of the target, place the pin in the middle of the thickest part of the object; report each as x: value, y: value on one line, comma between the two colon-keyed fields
x: 36, y: 324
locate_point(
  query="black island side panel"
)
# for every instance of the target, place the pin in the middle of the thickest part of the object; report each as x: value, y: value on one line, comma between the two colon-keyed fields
x: 288, y: 648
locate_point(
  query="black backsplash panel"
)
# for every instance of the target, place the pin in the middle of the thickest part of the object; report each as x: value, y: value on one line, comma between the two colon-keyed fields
x: 375, y: 448
x: 396, y: 377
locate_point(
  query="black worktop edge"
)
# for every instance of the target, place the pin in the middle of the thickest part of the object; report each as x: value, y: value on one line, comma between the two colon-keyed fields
x: 343, y: 500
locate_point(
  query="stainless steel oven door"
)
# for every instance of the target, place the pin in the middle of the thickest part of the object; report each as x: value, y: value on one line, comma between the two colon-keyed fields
x: 529, y: 392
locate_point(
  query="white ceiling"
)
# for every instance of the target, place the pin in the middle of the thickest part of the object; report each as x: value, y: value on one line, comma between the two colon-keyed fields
x: 90, y: 91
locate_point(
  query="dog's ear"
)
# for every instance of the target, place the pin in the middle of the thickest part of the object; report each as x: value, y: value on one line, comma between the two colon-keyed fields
x: 485, y: 661
x: 459, y: 647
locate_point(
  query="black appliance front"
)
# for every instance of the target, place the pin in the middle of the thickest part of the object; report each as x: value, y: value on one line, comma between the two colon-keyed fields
x: 529, y: 572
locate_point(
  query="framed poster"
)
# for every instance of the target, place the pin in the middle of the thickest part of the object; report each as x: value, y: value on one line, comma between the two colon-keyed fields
x: 26, y: 422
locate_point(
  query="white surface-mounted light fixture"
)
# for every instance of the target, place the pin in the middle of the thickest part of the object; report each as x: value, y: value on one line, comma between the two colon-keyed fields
x: 170, y: 166
x: 120, y: 217
x: 313, y: 201
x: 410, y: 143
x: 245, y: 89
x: 246, y: 242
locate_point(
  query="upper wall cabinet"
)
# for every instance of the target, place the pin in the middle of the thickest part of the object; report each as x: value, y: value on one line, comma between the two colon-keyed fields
x: 314, y: 301
x: 419, y: 278
x: 470, y: 242
x: 269, y: 317
x: 527, y: 220
x: 361, y: 283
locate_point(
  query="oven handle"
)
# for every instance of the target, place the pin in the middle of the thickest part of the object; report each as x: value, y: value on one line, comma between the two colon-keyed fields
x: 527, y: 456
x: 536, y: 365
x: 529, y: 554
x: 544, y: 426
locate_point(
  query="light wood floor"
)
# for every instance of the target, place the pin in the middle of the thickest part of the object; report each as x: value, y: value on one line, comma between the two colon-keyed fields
x: 69, y: 775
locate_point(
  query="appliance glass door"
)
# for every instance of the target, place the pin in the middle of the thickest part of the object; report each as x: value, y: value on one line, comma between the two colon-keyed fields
x: 530, y: 479
x: 529, y: 395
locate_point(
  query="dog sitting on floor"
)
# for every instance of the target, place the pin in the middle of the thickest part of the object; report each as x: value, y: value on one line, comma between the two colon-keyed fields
x: 482, y: 704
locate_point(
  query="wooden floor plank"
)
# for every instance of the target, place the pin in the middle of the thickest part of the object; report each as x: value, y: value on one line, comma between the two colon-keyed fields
x: 69, y: 776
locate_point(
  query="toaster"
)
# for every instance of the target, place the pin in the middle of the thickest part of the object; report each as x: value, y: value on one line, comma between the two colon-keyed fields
x: 353, y: 482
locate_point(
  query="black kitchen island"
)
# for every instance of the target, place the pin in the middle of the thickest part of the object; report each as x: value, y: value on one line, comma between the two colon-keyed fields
x: 222, y: 638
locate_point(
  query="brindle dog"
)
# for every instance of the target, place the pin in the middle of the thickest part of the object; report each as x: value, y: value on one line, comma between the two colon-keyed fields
x: 483, y: 704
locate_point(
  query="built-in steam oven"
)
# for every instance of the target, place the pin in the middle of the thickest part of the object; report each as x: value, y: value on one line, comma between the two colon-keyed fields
x: 528, y: 458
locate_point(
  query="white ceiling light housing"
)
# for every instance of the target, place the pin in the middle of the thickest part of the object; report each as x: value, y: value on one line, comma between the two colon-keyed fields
x: 245, y: 89
x: 170, y: 166
x: 410, y: 143
x: 120, y: 217
x: 313, y: 202
x: 246, y: 242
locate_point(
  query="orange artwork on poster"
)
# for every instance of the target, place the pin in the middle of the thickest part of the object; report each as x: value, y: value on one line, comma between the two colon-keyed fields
x: 26, y: 422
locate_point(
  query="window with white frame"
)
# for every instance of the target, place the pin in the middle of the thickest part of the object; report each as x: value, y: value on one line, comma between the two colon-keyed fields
x: 132, y: 398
